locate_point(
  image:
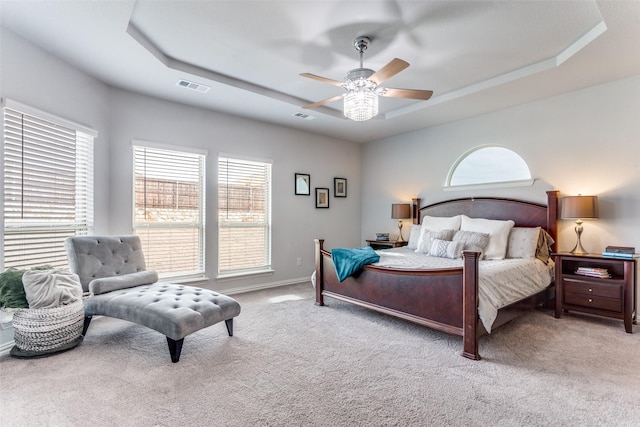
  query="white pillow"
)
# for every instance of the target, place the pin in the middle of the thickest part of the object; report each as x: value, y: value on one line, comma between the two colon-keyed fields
x: 442, y: 222
x: 414, y: 236
x: 498, y: 234
x: 439, y: 223
x: 523, y: 242
x: 427, y: 236
x: 446, y: 249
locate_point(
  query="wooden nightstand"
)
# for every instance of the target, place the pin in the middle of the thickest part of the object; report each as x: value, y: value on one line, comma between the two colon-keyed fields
x: 613, y: 296
x: 385, y: 244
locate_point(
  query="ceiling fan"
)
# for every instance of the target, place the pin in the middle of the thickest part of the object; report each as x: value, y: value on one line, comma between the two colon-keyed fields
x: 363, y: 86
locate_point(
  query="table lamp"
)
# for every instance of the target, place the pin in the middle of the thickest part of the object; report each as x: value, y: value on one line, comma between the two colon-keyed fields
x: 400, y: 211
x: 579, y: 208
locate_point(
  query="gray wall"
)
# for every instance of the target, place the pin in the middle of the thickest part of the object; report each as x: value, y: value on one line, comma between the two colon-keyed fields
x: 585, y: 142
x: 296, y: 221
x: 34, y: 77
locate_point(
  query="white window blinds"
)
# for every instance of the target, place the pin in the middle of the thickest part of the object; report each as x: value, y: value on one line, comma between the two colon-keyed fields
x: 169, y: 210
x: 244, y: 216
x: 48, y: 189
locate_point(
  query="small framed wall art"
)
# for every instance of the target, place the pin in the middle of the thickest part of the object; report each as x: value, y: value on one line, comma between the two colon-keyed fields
x: 339, y: 187
x: 303, y: 184
x: 322, y: 197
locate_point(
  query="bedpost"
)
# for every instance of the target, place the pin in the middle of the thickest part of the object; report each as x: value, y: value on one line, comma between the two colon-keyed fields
x: 552, y: 215
x: 415, y: 207
x: 319, y: 271
x: 470, y: 305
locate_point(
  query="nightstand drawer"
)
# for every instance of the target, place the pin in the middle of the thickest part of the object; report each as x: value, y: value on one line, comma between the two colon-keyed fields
x: 595, y: 289
x: 602, y: 303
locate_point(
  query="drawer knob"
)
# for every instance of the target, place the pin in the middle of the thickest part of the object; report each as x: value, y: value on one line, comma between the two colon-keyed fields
x: 590, y: 290
x: 590, y: 300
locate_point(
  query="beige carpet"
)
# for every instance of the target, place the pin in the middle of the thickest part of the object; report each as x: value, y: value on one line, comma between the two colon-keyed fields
x: 291, y: 363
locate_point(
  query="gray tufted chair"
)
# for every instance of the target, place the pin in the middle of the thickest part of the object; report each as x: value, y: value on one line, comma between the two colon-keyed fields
x: 113, y: 270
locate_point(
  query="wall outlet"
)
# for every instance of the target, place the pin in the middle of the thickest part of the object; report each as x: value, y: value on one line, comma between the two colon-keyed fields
x: 299, y: 261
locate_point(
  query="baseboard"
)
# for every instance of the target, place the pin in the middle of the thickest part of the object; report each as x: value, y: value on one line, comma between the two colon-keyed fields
x: 5, y: 348
x: 261, y: 286
x: 6, y: 331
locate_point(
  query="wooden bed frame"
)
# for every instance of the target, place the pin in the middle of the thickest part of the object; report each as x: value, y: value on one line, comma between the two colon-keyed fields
x: 442, y: 299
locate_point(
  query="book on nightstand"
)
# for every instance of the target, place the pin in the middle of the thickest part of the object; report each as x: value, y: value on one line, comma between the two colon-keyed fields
x: 620, y: 250
x: 626, y: 252
x: 593, y: 272
x: 620, y: 255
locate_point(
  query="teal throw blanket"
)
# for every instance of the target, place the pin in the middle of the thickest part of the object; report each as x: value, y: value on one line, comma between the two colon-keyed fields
x: 348, y: 261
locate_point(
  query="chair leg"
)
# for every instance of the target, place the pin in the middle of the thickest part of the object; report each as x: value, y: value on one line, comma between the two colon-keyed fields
x: 87, y: 320
x: 229, y: 323
x: 175, y: 347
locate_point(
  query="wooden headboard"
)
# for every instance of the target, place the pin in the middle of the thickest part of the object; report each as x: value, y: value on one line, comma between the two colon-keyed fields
x: 523, y: 213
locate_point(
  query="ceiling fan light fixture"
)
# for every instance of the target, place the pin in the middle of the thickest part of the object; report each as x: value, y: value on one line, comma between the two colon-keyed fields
x: 360, y: 105
x: 363, y: 86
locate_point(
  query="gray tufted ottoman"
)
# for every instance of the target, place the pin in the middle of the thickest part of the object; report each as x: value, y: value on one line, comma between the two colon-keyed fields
x: 112, y: 268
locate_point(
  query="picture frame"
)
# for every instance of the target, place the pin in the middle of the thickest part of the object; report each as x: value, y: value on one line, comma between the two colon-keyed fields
x: 302, y: 184
x: 322, y: 198
x: 339, y: 187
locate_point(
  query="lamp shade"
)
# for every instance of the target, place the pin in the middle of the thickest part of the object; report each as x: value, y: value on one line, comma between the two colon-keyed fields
x: 400, y: 211
x: 580, y: 207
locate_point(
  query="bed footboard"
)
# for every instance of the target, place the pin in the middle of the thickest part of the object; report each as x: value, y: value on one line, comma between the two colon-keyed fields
x: 443, y: 299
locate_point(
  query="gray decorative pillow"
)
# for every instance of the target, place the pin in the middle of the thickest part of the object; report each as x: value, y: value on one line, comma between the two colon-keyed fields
x: 472, y: 240
x: 114, y: 283
x: 424, y: 246
x: 446, y: 249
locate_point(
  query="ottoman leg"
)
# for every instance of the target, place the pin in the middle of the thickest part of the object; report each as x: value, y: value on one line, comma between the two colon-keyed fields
x: 85, y: 326
x: 229, y: 323
x: 175, y: 347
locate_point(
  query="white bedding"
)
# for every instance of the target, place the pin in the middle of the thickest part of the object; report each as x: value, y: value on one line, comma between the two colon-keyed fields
x: 501, y: 282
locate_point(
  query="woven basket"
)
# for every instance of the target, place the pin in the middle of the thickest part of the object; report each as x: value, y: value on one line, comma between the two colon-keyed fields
x: 47, y: 329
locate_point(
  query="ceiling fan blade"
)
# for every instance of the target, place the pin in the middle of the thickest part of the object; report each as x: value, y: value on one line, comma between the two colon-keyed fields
x: 391, y: 69
x: 324, y: 101
x: 322, y: 79
x: 407, y: 93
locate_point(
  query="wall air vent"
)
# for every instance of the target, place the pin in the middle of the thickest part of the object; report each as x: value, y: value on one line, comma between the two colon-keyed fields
x: 193, y: 86
x: 303, y: 116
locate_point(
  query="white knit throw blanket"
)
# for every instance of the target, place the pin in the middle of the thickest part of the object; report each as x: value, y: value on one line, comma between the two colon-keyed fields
x: 51, y: 288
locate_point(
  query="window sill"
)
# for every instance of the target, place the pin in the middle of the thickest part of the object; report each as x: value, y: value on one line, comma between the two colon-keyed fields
x: 240, y: 275
x: 504, y: 184
x: 183, y: 279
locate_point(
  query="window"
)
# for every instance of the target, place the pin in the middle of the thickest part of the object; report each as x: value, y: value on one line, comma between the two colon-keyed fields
x: 244, y: 216
x: 168, y: 212
x: 492, y: 166
x: 48, y: 186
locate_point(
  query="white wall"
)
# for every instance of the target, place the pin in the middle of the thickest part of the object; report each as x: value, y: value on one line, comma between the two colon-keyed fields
x: 585, y: 142
x: 38, y: 79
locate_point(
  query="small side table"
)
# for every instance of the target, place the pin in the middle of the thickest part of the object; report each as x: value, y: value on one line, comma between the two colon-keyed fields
x: 613, y: 296
x: 385, y: 244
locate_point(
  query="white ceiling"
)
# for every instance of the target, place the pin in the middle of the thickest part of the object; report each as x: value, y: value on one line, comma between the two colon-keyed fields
x: 476, y: 56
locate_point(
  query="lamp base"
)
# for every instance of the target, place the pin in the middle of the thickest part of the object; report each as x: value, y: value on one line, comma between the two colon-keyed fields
x: 400, y: 239
x: 578, y: 249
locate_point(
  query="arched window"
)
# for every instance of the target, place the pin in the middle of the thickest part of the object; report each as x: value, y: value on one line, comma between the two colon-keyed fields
x: 489, y: 166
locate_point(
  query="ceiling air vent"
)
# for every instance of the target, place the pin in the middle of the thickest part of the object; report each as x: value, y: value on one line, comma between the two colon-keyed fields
x: 194, y: 86
x: 303, y: 116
